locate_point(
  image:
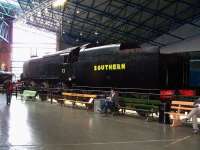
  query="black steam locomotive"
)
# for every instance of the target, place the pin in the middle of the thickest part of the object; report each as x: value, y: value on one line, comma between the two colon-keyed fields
x: 116, y: 65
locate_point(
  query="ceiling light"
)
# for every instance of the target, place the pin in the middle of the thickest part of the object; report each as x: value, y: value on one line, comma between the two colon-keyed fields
x: 46, y: 22
x: 16, y: 15
x: 2, y: 17
x: 57, y: 24
x: 81, y: 34
x: 25, y: 21
x: 96, y: 33
x: 39, y: 13
x: 31, y: 18
x: 58, y: 3
x: 77, y: 11
x: 46, y: 10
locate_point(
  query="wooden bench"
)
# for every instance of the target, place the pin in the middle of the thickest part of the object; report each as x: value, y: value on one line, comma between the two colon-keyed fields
x: 178, y: 109
x: 78, y: 98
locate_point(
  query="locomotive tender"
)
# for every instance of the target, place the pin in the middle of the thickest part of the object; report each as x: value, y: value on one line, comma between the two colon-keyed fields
x: 115, y: 65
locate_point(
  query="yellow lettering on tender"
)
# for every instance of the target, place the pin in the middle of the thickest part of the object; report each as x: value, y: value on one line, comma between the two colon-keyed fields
x: 118, y: 67
x: 102, y: 67
x: 114, y: 66
x: 99, y: 67
x: 123, y: 66
x: 110, y: 67
x: 95, y: 68
x: 106, y: 66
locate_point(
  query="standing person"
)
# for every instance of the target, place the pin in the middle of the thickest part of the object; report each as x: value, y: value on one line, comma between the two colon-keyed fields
x: 9, y: 90
x: 194, y: 113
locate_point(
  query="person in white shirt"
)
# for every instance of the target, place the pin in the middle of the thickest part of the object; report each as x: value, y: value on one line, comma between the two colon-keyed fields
x: 194, y: 114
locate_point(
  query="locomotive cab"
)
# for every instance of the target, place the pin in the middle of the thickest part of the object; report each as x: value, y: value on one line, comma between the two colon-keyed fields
x: 67, y: 73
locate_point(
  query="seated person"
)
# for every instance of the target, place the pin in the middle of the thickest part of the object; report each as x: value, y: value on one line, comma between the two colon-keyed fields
x: 111, y: 102
x: 194, y: 113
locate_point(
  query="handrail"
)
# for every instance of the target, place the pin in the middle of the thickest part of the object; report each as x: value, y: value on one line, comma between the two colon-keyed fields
x: 94, y: 87
x: 124, y: 93
x: 79, y: 95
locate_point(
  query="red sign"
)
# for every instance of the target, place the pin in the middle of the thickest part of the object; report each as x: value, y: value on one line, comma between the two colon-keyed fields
x: 186, y: 92
x: 166, y: 94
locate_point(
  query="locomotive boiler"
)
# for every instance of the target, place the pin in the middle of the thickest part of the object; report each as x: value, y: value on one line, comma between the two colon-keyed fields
x: 115, y: 65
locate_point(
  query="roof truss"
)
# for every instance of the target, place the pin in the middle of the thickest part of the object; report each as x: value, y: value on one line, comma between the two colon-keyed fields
x: 112, y: 21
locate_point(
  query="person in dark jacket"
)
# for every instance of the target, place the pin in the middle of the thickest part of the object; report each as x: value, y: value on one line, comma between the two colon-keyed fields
x: 194, y: 114
x: 9, y: 90
x: 111, y: 102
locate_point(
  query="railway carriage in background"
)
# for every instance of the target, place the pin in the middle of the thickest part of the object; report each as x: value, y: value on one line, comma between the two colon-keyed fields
x: 115, y: 65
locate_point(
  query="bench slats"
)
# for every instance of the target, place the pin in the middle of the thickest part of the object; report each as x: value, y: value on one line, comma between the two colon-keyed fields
x: 182, y: 103
x: 86, y: 99
x: 177, y: 106
x: 181, y: 108
x: 175, y: 113
x: 79, y: 95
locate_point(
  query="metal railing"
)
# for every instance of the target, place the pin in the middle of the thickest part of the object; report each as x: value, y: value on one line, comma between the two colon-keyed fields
x: 105, y: 91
